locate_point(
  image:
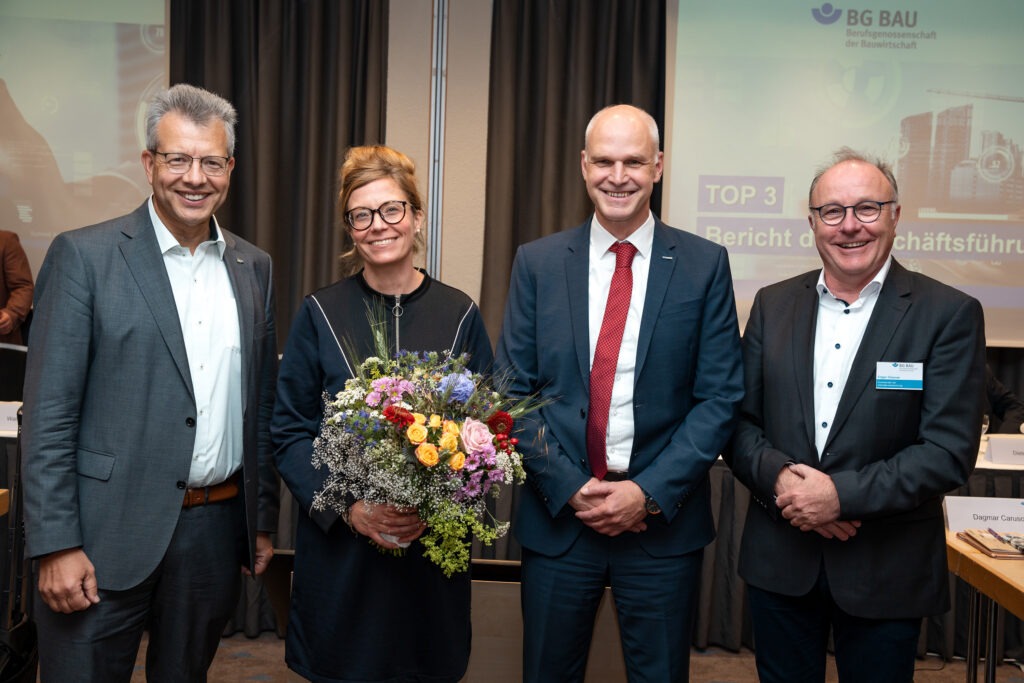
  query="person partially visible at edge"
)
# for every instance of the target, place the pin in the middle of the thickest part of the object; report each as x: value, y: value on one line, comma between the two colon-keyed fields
x: 864, y: 395
x: 1005, y: 407
x: 148, y: 478
x: 358, y: 614
x: 16, y: 288
x: 629, y: 327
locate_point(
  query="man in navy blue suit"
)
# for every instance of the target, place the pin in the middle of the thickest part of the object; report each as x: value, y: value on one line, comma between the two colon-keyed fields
x: 618, y: 488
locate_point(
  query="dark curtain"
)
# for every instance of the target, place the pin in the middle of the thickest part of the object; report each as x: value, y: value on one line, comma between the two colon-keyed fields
x: 554, y: 64
x: 308, y: 78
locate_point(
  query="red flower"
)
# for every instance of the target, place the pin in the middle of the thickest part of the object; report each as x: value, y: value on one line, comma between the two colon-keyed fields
x: 501, y: 422
x: 399, y: 416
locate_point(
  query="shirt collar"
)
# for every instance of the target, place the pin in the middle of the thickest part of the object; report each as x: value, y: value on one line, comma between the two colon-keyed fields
x: 870, y: 288
x: 642, y: 238
x: 167, y: 241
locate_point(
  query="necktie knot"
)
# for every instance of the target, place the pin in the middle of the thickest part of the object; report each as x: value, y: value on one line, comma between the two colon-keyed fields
x: 624, y: 253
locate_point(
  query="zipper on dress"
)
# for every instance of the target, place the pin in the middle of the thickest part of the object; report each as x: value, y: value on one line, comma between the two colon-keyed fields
x: 397, y: 312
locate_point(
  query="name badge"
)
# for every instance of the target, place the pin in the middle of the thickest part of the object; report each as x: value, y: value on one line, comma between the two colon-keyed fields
x: 891, y: 375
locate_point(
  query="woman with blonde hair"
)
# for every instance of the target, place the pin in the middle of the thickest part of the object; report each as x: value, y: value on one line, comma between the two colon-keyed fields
x: 358, y: 614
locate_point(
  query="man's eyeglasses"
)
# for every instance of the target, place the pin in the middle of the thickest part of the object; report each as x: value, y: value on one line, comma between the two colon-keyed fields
x: 177, y: 162
x: 361, y: 217
x: 865, y: 212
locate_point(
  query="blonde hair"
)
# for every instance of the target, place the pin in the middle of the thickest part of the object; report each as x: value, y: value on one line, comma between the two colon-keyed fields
x: 362, y: 166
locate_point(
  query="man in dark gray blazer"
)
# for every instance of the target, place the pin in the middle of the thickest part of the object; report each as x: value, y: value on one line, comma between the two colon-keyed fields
x: 625, y: 503
x: 864, y: 395
x: 147, y: 467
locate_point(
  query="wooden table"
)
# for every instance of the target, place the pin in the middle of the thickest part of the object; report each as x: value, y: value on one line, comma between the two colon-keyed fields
x: 994, y: 583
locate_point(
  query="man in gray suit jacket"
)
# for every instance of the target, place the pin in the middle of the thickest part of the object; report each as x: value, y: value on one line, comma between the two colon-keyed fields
x: 863, y: 407
x: 146, y: 453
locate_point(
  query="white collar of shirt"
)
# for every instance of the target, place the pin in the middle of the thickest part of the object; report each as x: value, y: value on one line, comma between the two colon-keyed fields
x: 167, y: 241
x: 870, y: 289
x: 642, y: 238
x: 619, y: 441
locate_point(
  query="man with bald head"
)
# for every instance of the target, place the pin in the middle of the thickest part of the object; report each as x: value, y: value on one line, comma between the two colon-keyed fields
x: 629, y: 328
x: 864, y: 394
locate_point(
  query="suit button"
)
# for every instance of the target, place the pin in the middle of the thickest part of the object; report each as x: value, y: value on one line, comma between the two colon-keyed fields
x: 182, y: 485
x: 190, y: 422
x: 583, y: 414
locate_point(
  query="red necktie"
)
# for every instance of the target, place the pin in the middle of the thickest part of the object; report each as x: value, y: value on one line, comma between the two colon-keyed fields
x: 606, y: 357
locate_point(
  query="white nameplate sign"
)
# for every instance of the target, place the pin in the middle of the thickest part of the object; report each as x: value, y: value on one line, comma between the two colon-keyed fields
x: 969, y: 512
x: 1005, y: 449
x: 9, y: 419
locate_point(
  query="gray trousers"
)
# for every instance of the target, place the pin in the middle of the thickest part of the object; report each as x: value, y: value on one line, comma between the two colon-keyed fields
x: 185, y: 605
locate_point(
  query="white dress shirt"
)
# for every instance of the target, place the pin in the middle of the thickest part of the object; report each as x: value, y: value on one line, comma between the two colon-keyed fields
x: 837, y: 336
x: 209, y: 323
x: 619, y: 442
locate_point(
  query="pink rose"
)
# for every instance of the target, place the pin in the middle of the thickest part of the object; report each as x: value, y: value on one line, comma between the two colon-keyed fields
x: 476, y: 436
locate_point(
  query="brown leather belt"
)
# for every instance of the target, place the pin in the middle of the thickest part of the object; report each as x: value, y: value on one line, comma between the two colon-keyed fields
x: 226, y: 490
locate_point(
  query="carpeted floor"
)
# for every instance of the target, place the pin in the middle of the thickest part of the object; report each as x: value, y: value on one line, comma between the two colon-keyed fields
x: 243, y: 660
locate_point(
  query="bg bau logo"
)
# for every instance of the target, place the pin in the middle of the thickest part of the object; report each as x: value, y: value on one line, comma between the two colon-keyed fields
x: 827, y: 14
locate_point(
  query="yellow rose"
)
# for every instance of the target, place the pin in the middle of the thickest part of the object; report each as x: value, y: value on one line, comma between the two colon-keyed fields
x: 450, y: 427
x: 435, y: 421
x: 420, y: 418
x: 426, y: 453
x: 416, y: 433
x: 448, y: 442
x: 457, y: 460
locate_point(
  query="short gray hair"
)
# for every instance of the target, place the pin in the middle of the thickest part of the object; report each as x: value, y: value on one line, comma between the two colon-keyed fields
x: 848, y: 154
x: 195, y: 104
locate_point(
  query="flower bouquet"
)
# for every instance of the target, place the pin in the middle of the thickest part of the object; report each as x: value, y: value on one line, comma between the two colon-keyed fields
x: 422, y: 431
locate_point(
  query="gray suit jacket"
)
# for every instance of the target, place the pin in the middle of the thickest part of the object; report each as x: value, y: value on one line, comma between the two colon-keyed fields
x: 892, y: 454
x: 109, y: 413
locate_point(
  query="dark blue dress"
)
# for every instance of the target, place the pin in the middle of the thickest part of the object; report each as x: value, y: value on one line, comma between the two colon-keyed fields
x: 357, y: 614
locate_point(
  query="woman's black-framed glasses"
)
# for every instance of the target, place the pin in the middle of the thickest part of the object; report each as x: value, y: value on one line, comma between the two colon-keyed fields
x: 865, y: 212
x: 361, y: 217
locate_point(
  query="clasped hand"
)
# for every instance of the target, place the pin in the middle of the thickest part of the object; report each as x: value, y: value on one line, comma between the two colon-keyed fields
x: 808, y: 499
x: 610, y: 507
x: 376, y: 521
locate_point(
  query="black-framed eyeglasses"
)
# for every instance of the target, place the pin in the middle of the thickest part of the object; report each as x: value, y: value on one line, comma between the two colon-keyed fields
x: 361, y: 217
x: 180, y: 163
x: 865, y: 212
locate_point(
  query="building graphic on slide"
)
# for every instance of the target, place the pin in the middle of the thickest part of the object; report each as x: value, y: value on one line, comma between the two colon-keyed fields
x: 940, y: 175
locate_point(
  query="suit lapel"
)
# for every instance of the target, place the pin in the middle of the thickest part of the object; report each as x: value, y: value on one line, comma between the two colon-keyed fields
x: 659, y: 274
x: 242, y: 277
x: 576, y: 277
x: 890, y: 309
x: 804, y: 313
x: 141, y: 253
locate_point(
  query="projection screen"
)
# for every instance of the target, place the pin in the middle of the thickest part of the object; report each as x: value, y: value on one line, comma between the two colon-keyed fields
x: 765, y: 92
x: 74, y: 80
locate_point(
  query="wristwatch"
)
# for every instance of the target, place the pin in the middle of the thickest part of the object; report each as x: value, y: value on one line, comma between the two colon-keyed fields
x: 651, y: 505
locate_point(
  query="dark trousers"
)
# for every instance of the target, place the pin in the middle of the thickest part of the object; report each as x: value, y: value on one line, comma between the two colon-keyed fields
x: 185, y: 603
x: 655, y: 599
x: 791, y: 639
